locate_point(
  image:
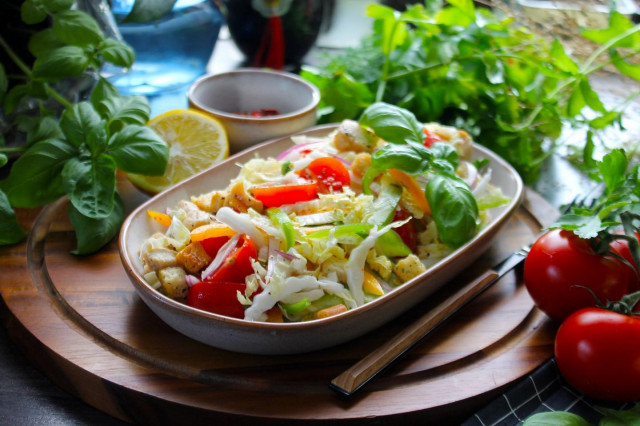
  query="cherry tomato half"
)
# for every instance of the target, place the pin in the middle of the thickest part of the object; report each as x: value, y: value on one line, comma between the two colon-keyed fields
x: 430, y: 138
x: 408, y: 231
x: 238, y: 264
x: 558, y: 262
x: 597, y: 352
x: 217, y: 297
x: 275, y: 196
x: 329, y: 173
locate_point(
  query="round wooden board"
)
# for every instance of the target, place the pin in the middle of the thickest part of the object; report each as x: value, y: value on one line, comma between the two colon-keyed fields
x: 80, y: 321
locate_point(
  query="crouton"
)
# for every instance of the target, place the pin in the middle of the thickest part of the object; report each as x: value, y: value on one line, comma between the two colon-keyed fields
x: 159, y: 258
x: 174, y: 282
x: 240, y: 200
x: 193, y: 258
x: 194, y: 217
x: 409, y: 267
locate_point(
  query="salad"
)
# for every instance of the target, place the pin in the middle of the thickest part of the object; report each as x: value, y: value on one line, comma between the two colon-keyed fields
x: 330, y: 224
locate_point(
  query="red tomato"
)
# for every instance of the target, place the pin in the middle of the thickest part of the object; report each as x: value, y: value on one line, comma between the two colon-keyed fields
x: 329, y: 173
x: 598, y: 353
x: 275, y: 196
x: 238, y: 264
x: 621, y: 247
x: 558, y: 262
x: 212, y: 245
x: 217, y: 297
x: 430, y: 138
x: 408, y: 231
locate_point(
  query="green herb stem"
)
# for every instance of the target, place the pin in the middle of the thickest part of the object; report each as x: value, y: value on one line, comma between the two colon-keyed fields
x: 12, y: 149
x: 387, y: 62
x: 606, y: 46
x: 57, y: 96
x: 15, y: 58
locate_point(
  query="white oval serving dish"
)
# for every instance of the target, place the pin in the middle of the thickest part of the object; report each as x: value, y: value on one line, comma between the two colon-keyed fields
x: 289, y: 338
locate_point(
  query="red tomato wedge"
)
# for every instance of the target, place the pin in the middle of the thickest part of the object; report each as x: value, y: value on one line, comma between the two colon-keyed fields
x: 329, y: 173
x: 217, y: 297
x: 238, y: 264
x: 276, y: 196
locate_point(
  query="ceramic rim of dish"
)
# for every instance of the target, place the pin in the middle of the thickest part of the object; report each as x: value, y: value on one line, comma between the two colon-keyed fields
x: 315, y: 96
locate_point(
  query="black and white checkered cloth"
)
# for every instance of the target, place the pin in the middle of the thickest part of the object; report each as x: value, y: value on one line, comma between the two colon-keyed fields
x: 543, y: 390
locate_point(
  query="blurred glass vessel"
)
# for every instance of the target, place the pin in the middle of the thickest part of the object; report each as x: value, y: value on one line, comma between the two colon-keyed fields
x: 172, y: 51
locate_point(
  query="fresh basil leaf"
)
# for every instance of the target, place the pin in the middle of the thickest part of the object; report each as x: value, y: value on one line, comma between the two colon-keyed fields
x: 124, y: 110
x: 556, y: 418
x: 149, y: 10
x: 35, y: 179
x: 410, y: 158
x: 613, y: 168
x: 116, y: 52
x: 10, y: 230
x: 77, y: 28
x: 58, y: 5
x: 43, y: 41
x: 14, y: 97
x: 45, y: 128
x: 445, y: 156
x: 620, y: 417
x: 393, y: 124
x: 90, y: 184
x: 62, y: 62
x: 93, y: 234
x: 77, y: 122
x: 3, y: 160
x: 101, y: 92
x: 33, y: 12
x: 97, y: 140
x: 454, y: 209
x: 138, y: 149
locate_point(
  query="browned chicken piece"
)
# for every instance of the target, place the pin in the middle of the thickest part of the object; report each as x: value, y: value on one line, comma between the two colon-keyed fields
x: 241, y: 201
x: 211, y: 201
x: 350, y: 136
x: 361, y: 164
x: 174, y: 282
x: 194, y: 216
x: 193, y: 258
x: 159, y: 258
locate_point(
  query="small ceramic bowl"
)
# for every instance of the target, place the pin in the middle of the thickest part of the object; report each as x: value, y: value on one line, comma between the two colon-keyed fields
x: 233, y: 96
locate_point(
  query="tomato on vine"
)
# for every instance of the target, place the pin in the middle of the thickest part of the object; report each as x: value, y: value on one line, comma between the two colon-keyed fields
x: 560, y: 264
x: 598, y: 351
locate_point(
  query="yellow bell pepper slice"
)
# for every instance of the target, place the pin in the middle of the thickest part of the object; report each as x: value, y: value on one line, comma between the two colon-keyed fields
x: 371, y: 285
x: 412, y: 186
x: 211, y: 230
x: 162, y: 218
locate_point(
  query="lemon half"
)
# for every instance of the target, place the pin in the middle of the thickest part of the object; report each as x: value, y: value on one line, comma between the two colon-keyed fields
x: 196, y: 141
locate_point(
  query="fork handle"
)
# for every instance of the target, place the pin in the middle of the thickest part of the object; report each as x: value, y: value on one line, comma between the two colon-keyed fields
x: 364, y: 370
